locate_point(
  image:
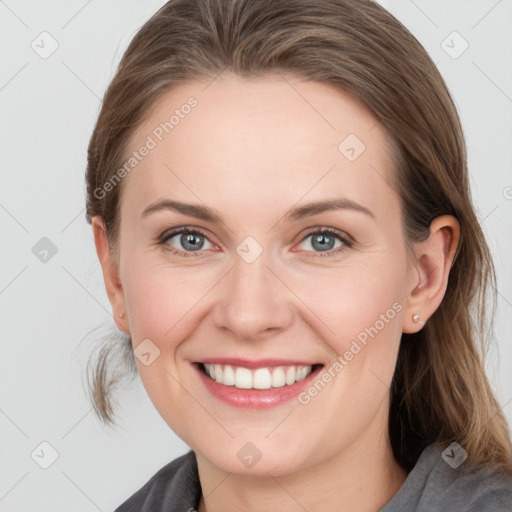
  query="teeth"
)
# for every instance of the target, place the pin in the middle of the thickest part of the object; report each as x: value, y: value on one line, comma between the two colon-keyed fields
x: 290, y: 375
x: 243, y: 377
x: 278, y: 378
x: 228, y: 376
x: 262, y: 378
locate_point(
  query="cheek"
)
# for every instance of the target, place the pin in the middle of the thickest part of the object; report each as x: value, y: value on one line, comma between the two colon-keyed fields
x: 164, y: 305
x: 362, y: 309
x: 163, y: 301
x: 351, y: 298
x: 358, y: 310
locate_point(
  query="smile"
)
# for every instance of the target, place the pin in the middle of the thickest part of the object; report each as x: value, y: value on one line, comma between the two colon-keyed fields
x: 260, y: 378
x: 255, y: 384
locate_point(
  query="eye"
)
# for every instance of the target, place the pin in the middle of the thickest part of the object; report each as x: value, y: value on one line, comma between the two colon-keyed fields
x: 323, y: 241
x: 190, y: 242
x: 185, y: 241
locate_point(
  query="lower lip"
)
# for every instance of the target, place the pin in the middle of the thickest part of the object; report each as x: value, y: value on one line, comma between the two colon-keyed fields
x: 255, y: 398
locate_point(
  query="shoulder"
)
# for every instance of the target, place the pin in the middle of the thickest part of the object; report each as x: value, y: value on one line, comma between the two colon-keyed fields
x: 479, y: 489
x: 442, y: 480
x: 174, y: 487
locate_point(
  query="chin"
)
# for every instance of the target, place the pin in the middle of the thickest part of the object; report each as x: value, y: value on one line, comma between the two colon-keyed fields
x: 254, y: 459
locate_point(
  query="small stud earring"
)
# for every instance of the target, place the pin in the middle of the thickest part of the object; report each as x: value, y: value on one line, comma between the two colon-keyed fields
x: 416, y: 319
x: 121, y: 315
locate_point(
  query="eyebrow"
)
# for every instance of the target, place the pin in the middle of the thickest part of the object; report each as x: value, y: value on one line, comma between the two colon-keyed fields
x: 299, y: 212
x: 315, y: 208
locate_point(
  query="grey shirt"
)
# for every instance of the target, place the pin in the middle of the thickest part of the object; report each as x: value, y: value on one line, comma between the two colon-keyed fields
x: 432, y: 485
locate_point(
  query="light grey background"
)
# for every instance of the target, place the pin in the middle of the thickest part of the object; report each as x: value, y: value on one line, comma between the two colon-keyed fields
x: 48, y: 107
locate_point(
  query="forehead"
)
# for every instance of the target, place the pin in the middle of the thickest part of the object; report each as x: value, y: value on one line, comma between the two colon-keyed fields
x: 235, y: 140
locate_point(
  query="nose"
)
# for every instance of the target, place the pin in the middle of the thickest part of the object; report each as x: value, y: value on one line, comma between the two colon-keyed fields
x: 254, y: 303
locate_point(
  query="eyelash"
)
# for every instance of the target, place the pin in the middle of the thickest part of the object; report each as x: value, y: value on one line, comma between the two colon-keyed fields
x: 345, y: 239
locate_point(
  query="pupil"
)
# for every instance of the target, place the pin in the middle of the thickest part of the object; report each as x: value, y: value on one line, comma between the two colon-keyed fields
x: 188, y: 241
x: 321, y: 238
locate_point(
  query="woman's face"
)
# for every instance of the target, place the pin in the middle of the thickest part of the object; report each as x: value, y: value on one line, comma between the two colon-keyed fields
x: 255, y: 288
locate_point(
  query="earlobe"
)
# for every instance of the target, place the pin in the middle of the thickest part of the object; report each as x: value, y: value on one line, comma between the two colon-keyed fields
x: 110, y: 271
x: 434, y: 259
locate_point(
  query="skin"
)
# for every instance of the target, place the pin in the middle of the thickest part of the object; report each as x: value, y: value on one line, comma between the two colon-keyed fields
x: 251, y: 150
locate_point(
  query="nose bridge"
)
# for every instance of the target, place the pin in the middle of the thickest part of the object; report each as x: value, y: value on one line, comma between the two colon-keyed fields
x: 254, y: 301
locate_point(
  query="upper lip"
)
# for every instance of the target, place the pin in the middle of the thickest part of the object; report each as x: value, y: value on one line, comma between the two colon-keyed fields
x: 260, y: 363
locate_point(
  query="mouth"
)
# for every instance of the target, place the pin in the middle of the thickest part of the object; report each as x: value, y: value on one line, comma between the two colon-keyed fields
x: 258, y: 378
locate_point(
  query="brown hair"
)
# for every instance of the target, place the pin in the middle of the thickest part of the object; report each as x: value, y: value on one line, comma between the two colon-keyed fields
x: 440, y: 392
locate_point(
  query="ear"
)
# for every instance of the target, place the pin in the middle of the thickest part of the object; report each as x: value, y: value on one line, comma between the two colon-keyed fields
x: 429, y: 274
x: 110, y: 274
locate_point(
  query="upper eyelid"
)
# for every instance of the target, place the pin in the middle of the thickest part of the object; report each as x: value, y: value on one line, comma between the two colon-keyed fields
x: 171, y: 233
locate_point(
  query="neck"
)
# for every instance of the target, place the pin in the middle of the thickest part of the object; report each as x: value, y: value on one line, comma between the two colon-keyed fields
x: 362, y: 476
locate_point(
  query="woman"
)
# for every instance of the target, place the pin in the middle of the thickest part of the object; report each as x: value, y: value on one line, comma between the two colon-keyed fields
x: 280, y: 203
